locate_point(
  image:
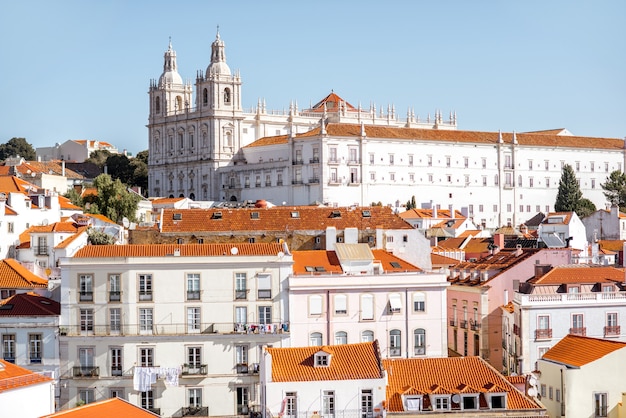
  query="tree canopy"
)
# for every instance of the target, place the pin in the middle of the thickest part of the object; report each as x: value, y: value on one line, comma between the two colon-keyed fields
x: 615, y: 189
x: 99, y: 157
x: 113, y: 200
x: 569, y: 197
x: 17, y: 146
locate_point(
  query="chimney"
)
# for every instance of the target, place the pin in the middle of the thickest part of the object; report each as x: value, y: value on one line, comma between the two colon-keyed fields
x: 63, y: 168
x: 452, y: 214
x: 498, y: 239
x: 434, y: 211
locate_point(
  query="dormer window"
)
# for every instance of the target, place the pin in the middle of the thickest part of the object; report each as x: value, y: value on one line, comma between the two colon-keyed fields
x: 497, y: 400
x: 469, y: 401
x: 441, y: 403
x: 335, y: 214
x: 412, y: 402
x: 322, y: 359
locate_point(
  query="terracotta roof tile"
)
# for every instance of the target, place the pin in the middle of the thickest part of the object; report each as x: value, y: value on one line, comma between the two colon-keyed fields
x: 327, y: 262
x: 13, y: 275
x: 28, y: 168
x: 67, y: 204
x: 186, y: 250
x: 279, y: 218
x: 577, y: 351
x: 443, y: 214
x: 438, y: 259
x: 566, y: 218
x: 67, y: 241
x: 386, y: 258
x: 448, y: 376
x: 348, y: 362
x: 113, y: 407
x: 29, y: 304
x: 60, y: 227
x: 580, y: 274
x: 14, y: 184
x: 12, y: 377
x: 612, y: 245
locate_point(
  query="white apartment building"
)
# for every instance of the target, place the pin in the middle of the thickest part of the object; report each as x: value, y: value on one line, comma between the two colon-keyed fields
x: 354, y: 294
x: 77, y: 150
x: 582, y: 300
x: 204, y: 145
x: 197, y: 314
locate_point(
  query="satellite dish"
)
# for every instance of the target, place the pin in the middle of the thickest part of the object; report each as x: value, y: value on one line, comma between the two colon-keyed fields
x: 234, y: 251
x: 44, y: 222
x: 456, y: 398
x: 532, y: 392
x: 280, y: 254
x: 125, y: 222
x: 532, y: 381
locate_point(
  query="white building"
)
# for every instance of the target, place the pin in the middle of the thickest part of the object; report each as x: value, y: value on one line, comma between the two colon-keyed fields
x: 204, y: 145
x: 203, y: 312
x: 73, y: 150
x: 24, y: 393
x: 583, y: 377
x: 354, y: 294
x: 582, y: 300
x: 337, y: 380
x: 605, y: 224
x: 563, y: 229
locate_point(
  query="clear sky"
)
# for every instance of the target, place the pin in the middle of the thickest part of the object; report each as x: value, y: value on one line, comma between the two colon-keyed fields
x: 81, y: 69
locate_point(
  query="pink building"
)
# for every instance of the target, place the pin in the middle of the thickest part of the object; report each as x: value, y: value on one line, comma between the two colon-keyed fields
x: 479, y: 289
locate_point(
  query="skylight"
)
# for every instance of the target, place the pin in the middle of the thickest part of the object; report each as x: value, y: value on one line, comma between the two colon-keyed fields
x: 295, y: 214
x: 395, y: 264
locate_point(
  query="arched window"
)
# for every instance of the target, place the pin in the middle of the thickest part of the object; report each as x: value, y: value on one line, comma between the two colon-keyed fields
x: 192, y: 196
x: 367, y: 336
x: 395, y: 343
x: 341, y: 337
x: 227, y: 96
x: 419, y: 338
x: 157, y: 105
x: 315, y: 339
x: 179, y: 103
x: 205, y: 97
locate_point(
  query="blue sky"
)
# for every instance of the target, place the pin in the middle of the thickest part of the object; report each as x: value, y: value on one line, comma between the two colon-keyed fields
x: 81, y: 69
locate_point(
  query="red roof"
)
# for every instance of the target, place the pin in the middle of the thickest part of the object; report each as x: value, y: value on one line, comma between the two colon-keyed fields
x: 13, y: 275
x: 577, y: 351
x: 325, y: 262
x: 29, y: 304
x: 185, y: 250
x: 113, y: 407
x: 12, y: 377
x: 580, y: 274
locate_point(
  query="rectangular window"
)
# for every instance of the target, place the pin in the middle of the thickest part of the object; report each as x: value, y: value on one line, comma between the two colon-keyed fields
x: 484, y: 180
x: 241, y: 283
x: 194, y: 359
x: 243, y: 398
x: 264, y: 283
x: 147, y: 400
x: 419, y: 302
x: 531, y: 182
x: 116, y: 393
x: 116, y: 361
x: 430, y: 161
x: 35, y: 347
x: 372, y: 175
x: 265, y: 315
x: 484, y: 162
x: 395, y: 343
x: 341, y: 304
x: 193, y: 286
x: 465, y: 162
x: 145, y: 287
x: 86, y: 395
x: 279, y: 179
x: 115, y: 288
x: 195, y: 397
x: 391, y: 159
x: 86, y: 287
x: 193, y: 320
x: 86, y: 360
x: 115, y: 320
x: 410, y: 160
x: 546, y: 165
x: 145, y: 320
x: 241, y: 316
x: 371, y: 158
x: 8, y: 347
x: 530, y: 164
x: 367, y: 307
x: 86, y: 319
x: 328, y: 403
x: 367, y: 403
x: 332, y: 154
x: 442, y: 403
x: 315, y: 305
x: 241, y: 355
x: 146, y: 357
x: 448, y: 161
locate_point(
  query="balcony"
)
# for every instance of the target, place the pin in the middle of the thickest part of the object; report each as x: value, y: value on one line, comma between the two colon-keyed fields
x: 85, y: 371
x: 117, y: 370
x: 314, y: 160
x: 242, y: 368
x: 115, y: 296
x: 9, y: 359
x: 314, y: 180
x: 194, y: 369
x: 475, y: 326
x: 420, y: 351
x: 264, y: 294
x: 333, y: 161
x: 297, y: 162
x: 41, y: 250
x: 582, y: 331
x: 297, y: 182
x: 85, y: 296
x: 453, y: 323
x: 464, y: 324
x: 156, y: 411
x: 192, y: 411
x: 241, y: 294
x: 206, y: 328
x: 543, y: 334
x: 145, y: 296
x: 35, y: 360
x: 354, y: 161
x: 612, y: 331
x: 395, y: 352
x: 193, y: 295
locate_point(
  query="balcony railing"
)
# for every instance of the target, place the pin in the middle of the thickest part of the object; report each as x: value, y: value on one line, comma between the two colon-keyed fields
x: 117, y: 371
x: 145, y: 296
x: 115, y: 296
x: 192, y: 411
x: 274, y: 327
x: 242, y: 368
x: 314, y: 180
x: 464, y: 324
x: 571, y: 298
x: 194, y: 370
x: 543, y: 334
x: 612, y: 331
x: 453, y: 323
x: 156, y: 411
x: 297, y: 162
x: 35, y: 359
x: 241, y: 294
x: 264, y: 294
x: 85, y: 296
x: 475, y: 326
x: 333, y: 161
x: 314, y: 160
x: 85, y: 371
x: 40, y: 250
x: 297, y: 182
x: 395, y: 352
x: 193, y: 295
x: 582, y: 331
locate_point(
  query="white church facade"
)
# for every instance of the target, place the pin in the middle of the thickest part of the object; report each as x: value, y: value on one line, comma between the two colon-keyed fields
x: 204, y: 146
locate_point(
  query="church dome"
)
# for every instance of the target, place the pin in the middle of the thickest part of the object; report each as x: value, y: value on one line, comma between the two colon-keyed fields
x: 218, y: 68
x: 170, y: 72
x: 170, y: 77
x: 218, y: 64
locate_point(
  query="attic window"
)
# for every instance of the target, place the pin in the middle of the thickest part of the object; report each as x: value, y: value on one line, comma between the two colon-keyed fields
x: 254, y: 215
x: 322, y: 359
x: 395, y: 265
x: 413, y: 403
x: 366, y: 214
x: 44, y: 302
x: 6, y: 307
x: 178, y: 216
x: 470, y: 402
x: 498, y: 401
x: 295, y: 214
x: 217, y: 215
x: 335, y: 214
x: 320, y: 268
x: 555, y: 220
x: 309, y: 269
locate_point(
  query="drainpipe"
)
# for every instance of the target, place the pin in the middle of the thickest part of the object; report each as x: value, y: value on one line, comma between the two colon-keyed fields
x: 328, y: 341
x: 406, y: 320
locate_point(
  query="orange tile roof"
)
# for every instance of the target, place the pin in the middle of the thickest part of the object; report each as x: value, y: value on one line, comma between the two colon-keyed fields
x: 452, y: 243
x: 580, y: 274
x: 8, y: 211
x: 516, y: 380
x: 348, y: 362
x: 166, y: 200
x: 386, y: 258
x: 67, y: 241
x: 428, y: 214
x: 13, y: 275
x: 448, y: 376
x: 469, y: 233
x: 67, y: 204
x: 612, y: 245
x: 28, y: 168
x: 327, y: 262
x: 29, y: 304
x: 578, y: 351
x: 113, y: 407
x: 14, y: 184
x: 12, y: 376
x: 92, y: 142
x: 567, y: 217
x: 438, y: 259
x: 100, y: 217
x: 61, y: 227
x: 279, y: 218
x: 186, y: 250
x: 88, y: 191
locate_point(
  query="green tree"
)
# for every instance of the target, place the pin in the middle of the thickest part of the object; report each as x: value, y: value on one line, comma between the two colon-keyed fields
x: 411, y: 203
x: 139, y: 166
x: 569, y: 193
x: 96, y: 237
x: 99, y: 157
x: 118, y: 167
x: 113, y: 200
x: 615, y: 189
x: 17, y: 146
x: 585, y: 208
x: 75, y: 197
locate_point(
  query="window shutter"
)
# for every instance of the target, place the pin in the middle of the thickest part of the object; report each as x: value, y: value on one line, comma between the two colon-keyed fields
x: 315, y: 305
x: 367, y: 307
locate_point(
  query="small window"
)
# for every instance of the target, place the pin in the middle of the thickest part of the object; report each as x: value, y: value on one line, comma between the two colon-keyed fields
x: 177, y: 216
x: 320, y: 268
x: 367, y: 214
x: 335, y: 214
x: 254, y: 215
x: 395, y: 264
x: 217, y: 215
x: 295, y: 214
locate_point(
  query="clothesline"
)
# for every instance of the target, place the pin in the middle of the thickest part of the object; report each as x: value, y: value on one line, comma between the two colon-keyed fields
x: 145, y: 377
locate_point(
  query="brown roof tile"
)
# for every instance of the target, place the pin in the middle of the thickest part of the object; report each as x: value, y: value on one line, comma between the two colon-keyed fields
x: 580, y: 274
x: 113, y: 407
x: 29, y: 304
x: 13, y: 275
x: 577, y: 351
x: 186, y: 250
x: 12, y: 377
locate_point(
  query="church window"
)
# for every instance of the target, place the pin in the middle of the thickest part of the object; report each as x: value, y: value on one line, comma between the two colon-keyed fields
x: 157, y: 105
x: 205, y: 97
x: 179, y: 103
x: 227, y: 96
x: 171, y: 141
x: 181, y: 142
x: 191, y: 144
